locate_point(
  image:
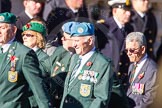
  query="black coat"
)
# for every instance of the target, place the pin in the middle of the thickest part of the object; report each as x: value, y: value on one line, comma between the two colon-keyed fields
x: 22, y: 19
x: 148, y: 26
x: 61, y: 14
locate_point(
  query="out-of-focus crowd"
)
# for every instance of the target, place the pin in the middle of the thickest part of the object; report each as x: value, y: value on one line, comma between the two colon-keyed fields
x: 79, y: 54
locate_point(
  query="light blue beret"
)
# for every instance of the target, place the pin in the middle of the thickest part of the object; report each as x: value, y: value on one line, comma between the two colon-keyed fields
x: 67, y: 27
x: 82, y: 29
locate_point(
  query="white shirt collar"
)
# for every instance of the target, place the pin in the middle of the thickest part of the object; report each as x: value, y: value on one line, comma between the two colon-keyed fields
x: 28, y: 14
x: 84, y: 59
x: 140, y: 65
x: 74, y: 10
x: 35, y: 48
x: 118, y: 23
x: 141, y: 14
x: 6, y: 46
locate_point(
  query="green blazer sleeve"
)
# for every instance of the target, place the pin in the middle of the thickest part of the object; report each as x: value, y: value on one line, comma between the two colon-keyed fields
x: 31, y: 72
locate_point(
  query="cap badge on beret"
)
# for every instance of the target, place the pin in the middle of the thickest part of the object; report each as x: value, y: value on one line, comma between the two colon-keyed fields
x: 80, y: 30
x: 127, y: 3
x: 2, y: 18
x: 28, y: 25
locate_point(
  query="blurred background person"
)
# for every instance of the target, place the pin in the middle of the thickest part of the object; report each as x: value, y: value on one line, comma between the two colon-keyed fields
x: 5, y: 6
x: 32, y: 9
x: 61, y: 12
x: 112, y: 44
x: 143, y: 20
x: 58, y: 65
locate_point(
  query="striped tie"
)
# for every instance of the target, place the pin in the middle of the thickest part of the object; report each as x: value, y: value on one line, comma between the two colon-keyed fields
x: 133, y: 73
x: 72, y: 77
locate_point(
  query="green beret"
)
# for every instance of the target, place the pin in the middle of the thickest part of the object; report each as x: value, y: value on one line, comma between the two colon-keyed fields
x: 34, y: 26
x: 7, y: 17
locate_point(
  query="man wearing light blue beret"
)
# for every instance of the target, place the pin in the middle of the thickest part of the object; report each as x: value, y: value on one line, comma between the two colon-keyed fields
x: 89, y: 81
x: 59, y: 64
x: 19, y: 69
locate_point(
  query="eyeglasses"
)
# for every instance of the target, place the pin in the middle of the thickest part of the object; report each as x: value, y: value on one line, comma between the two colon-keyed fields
x: 64, y: 38
x: 131, y: 50
x: 28, y: 35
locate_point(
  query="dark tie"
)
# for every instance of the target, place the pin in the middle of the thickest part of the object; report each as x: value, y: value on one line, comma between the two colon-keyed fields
x: 133, y: 73
x: 143, y: 18
x: 1, y: 49
x: 72, y: 77
x: 123, y: 30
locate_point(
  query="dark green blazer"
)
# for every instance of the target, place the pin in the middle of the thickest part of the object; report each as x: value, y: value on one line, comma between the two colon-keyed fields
x: 14, y: 92
x: 41, y: 55
x: 57, y: 65
x: 84, y: 93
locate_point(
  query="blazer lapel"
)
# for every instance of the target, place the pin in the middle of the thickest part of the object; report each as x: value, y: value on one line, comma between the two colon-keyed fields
x: 85, y: 67
x: 142, y: 71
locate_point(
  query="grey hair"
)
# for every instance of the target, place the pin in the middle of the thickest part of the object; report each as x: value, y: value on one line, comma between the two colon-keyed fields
x: 138, y: 37
x: 93, y: 38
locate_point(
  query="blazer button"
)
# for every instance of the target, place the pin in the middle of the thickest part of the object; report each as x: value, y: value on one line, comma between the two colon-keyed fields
x: 66, y: 101
x: 150, y: 41
x: 56, y: 97
x: 119, y: 73
x: 150, y: 49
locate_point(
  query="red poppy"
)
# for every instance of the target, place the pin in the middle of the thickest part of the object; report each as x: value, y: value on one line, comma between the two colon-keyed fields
x: 140, y: 76
x: 89, y: 64
x: 12, y: 58
x: 28, y: 25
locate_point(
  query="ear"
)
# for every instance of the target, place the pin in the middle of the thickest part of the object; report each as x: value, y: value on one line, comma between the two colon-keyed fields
x: 24, y: 3
x: 14, y: 29
x: 143, y: 49
x: 90, y: 41
x: 113, y: 11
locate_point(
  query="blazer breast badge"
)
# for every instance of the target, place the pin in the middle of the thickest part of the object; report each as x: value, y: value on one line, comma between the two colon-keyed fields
x: 85, y: 90
x: 13, y: 74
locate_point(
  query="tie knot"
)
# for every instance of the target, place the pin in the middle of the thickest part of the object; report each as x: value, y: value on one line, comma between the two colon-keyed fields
x: 1, y: 49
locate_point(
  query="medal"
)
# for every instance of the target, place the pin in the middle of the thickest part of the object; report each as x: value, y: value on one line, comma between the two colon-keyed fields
x: 12, y: 76
x: 80, y: 77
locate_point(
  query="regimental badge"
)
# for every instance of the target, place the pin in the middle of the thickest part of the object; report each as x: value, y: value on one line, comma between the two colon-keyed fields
x: 137, y: 88
x: 85, y: 90
x: 2, y: 18
x: 12, y: 76
x: 63, y: 69
x: 56, y: 68
x: 80, y: 30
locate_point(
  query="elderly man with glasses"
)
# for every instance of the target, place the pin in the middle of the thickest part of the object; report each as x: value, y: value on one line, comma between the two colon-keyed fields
x: 142, y: 72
